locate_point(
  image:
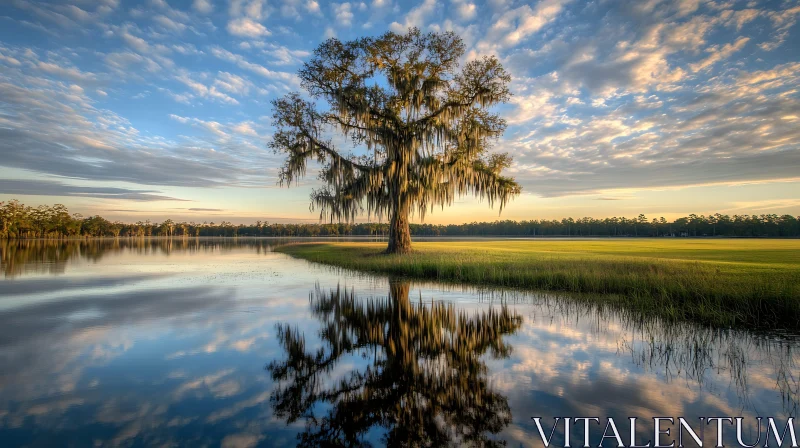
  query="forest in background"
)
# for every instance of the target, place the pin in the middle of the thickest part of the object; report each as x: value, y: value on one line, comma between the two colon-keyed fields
x: 18, y: 221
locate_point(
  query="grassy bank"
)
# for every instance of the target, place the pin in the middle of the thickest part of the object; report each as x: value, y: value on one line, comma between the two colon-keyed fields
x: 743, y: 283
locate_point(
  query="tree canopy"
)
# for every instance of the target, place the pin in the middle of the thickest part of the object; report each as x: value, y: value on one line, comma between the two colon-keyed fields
x: 420, y: 120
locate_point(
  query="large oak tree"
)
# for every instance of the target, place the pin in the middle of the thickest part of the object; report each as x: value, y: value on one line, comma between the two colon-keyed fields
x: 419, y: 119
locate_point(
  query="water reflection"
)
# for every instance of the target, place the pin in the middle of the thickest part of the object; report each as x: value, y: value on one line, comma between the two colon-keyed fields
x: 610, y: 362
x: 424, y: 383
x: 687, y: 353
x: 683, y: 351
x: 165, y: 343
x: 43, y: 256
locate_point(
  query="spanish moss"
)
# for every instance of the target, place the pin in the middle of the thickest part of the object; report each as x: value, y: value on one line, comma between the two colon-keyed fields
x: 422, y: 116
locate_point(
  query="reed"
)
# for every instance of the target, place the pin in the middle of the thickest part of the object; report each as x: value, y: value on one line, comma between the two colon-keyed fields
x: 737, y: 283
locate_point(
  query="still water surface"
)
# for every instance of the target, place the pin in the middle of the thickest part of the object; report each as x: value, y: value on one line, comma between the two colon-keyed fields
x: 225, y: 343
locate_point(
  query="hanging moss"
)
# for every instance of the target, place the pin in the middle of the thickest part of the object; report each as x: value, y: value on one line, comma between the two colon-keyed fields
x: 423, y: 116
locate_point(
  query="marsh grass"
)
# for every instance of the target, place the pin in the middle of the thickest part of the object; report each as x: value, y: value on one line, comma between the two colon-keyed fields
x: 737, y: 283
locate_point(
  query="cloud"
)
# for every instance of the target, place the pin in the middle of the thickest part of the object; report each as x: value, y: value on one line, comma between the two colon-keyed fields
x: 243, y: 63
x: 516, y: 25
x: 719, y: 54
x: 233, y: 83
x: 45, y: 14
x: 343, y: 13
x: 203, y: 6
x: 416, y: 17
x: 245, y: 128
x: 286, y: 56
x: 70, y: 73
x: 731, y: 132
x: 168, y: 24
x: 779, y: 76
x: 742, y: 17
x: 205, y: 91
x: 686, y: 7
x: 244, y: 27
x: 243, y: 440
x: 782, y: 21
x: 651, y: 105
x: 225, y: 132
x: 312, y: 6
x: 606, y: 95
x: 532, y: 106
x: 636, y: 64
x: 56, y: 130
x: 179, y: 119
x: 187, y: 49
x: 135, y: 42
x: 253, y: 9
x: 53, y: 188
x: 123, y: 63
x: 10, y: 60
x: 41, y: 154
x: 77, y: 13
x: 465, y: 9
x: 214, y: 127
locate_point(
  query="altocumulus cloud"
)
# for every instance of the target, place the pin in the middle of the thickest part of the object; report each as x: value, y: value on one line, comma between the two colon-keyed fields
x: 607, y: 95
x: 56, y: 128
x: 53, y: 188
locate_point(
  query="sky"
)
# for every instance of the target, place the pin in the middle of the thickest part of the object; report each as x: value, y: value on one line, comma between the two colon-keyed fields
x: 160, y: 108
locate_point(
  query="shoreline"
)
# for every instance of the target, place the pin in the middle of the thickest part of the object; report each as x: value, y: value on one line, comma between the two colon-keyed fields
x: 733, y: 283
x: 383, y: 238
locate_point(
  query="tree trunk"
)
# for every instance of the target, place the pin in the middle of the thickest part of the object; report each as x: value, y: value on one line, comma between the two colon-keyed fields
x: 399, y: 233
x: 399, y: 292
x: 400, y: 348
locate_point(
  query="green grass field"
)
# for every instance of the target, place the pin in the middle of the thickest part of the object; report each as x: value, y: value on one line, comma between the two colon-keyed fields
x: 742, y: 283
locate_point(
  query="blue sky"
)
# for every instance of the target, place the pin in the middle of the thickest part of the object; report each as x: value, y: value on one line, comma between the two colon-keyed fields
x: 160, y: 108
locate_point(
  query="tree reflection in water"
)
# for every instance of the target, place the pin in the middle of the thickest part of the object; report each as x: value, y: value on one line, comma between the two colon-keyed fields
x: 425, y: 383
x: 51, y: 256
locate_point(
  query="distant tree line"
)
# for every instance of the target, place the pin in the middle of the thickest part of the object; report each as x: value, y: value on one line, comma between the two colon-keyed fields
x: 18, y: 221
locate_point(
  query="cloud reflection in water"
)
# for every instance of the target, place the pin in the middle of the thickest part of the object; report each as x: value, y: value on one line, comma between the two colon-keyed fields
x: 136, y: 343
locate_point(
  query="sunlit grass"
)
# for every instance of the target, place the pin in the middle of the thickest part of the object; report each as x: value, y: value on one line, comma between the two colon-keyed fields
x: 752, y: 283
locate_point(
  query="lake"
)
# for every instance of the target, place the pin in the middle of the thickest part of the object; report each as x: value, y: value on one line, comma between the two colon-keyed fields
x: 222, y: 342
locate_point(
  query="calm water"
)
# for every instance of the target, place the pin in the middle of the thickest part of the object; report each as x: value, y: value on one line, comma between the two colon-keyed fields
x: 223, y: 342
